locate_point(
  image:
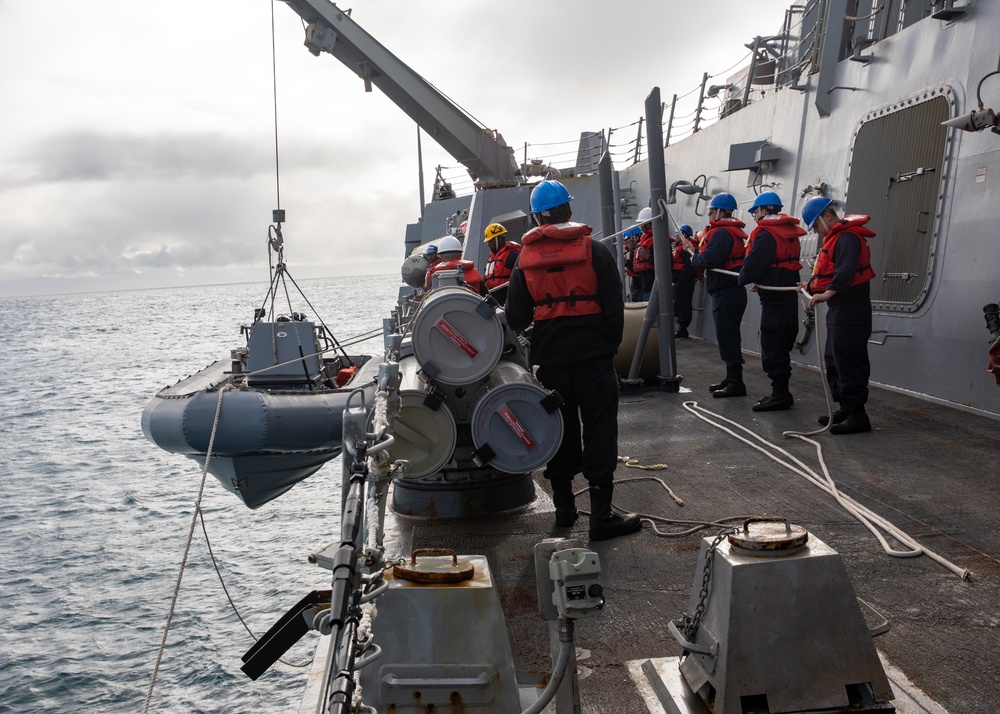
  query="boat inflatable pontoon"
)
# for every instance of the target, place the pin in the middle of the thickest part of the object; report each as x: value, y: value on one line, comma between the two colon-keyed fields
x: 273, y: 431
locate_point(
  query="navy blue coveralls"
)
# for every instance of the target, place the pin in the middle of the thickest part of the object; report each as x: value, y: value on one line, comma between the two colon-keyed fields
x: 729, y: 299
x: 779, y: 309
x: 848, y: 328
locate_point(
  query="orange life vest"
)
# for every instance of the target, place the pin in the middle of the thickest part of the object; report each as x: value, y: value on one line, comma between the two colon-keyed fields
x: 824, y: 268
x: 786, y: 231
x: 557, y: 267
x: 678, y: 263
x: 734, y: 227
x: 497, y: 272
x: 642, y: 261
x: 469, y: 273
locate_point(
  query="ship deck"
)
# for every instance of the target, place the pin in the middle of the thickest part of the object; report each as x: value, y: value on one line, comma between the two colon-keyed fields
x: 928, y: 468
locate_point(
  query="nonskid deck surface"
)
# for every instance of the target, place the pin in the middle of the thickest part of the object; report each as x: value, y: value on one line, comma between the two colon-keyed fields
x: 929, y: 469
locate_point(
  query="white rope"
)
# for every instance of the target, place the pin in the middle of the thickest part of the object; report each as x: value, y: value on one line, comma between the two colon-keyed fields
x: 777, y: 288
x: 871, y: 520
x: 187, y: 550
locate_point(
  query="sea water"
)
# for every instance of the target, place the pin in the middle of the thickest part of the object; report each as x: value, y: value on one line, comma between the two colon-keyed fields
x: 94, y: 518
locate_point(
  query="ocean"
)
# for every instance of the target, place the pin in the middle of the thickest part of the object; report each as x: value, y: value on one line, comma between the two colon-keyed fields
x: 95, y: 518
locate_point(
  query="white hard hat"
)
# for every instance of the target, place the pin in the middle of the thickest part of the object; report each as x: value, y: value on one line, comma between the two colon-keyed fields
x: 645, y: 215
x: 449, y: 244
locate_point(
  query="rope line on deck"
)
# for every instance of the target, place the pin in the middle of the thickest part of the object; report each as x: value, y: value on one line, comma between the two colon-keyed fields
x: 871, y: 520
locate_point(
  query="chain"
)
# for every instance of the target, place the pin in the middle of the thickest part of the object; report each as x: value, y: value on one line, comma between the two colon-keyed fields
x: 691, y: 622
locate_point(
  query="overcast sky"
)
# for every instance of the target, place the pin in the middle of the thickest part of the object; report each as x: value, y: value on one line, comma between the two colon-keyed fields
x: 139, y: 143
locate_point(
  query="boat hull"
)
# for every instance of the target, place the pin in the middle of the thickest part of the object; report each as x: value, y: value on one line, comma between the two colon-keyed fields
x: 265, y: 440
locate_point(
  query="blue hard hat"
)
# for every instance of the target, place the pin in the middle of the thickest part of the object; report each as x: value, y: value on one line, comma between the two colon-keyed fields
x: 768, y: 198
x: 813, y: 208
x: 724, y: 201
x: 431, y: 250
x: 548, y: 194
x: 686, y: 230
x: 632, y: 232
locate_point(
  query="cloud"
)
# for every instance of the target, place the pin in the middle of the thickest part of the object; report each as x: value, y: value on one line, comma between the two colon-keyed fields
x: 142, y: 144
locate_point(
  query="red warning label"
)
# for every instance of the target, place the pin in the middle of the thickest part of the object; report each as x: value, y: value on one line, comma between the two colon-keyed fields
x: 456, y: 337
x: 517, y: 427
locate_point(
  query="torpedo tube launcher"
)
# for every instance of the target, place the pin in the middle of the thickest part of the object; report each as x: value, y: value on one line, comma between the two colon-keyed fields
x: 473, y: 421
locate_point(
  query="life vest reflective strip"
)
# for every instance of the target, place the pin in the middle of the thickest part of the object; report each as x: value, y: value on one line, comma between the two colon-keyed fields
x: 825, y: 266
x: 497, y: 272
x: 557, y: 267
x: 643, y: 251
x: 734, y: 227
x: 786, y: 231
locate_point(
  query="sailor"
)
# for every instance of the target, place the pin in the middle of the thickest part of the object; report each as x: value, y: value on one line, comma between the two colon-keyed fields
x: 631, y: 236
x: 567, y: 284
x: 723, y: 249
x: 642, y: 261
x: 683, y: 274
x: 503, y: 258
x: 841, y: 278
x: 449, y: 252
x: 772, y: 260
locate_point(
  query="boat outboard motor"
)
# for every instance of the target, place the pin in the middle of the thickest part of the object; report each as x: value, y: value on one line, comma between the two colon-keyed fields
x: 414, y: 270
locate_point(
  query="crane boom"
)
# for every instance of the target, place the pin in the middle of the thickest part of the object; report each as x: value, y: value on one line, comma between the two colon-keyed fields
x: 482, y: 151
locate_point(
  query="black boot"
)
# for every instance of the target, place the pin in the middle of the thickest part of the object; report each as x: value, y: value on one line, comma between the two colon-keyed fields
x: 735, y: 387
x: 605, y: 523
x: 855, y: 423
x: 838, y: 416
x: 721, y: 385
x: 565, y: 501
x: 779, y: 399
x: 682, y: 333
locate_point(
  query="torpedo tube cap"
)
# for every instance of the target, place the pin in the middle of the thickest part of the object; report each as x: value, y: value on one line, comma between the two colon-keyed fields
x: 457, y: 338
x: 517, y: 426
x: 425, y: 431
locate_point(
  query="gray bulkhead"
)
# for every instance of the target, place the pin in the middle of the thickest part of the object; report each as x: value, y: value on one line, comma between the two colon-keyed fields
x: 881, y: 151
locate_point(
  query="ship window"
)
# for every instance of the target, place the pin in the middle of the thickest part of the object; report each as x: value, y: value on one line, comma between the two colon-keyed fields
x: 896, y: 177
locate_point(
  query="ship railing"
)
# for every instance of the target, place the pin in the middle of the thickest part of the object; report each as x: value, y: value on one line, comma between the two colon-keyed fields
x: 359, y: 562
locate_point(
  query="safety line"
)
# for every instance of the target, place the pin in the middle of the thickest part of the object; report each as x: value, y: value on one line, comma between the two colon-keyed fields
x: 871, y: 520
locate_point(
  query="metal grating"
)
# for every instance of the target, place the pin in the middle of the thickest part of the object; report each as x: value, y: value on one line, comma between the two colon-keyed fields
x: 896, y: 177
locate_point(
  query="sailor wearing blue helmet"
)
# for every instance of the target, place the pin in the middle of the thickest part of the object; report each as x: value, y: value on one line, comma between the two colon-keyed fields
x: 842, y: 278
x: 772, y: 260
x: 567, y: 285
x: 723, y: 249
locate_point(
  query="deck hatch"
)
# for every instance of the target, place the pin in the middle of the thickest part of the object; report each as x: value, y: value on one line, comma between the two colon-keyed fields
x: 896, y: 177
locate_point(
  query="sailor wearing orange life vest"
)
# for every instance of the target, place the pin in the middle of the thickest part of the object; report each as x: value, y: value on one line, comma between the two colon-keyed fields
x: 723, y: 249
x: 642, y: 262
x: 501, y: 261
x: 567, y: 285
x: 772, y: 259
x: 632, y: 282
x: 842, y: 279
x: 449, y: 252
x: 683, y: 274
